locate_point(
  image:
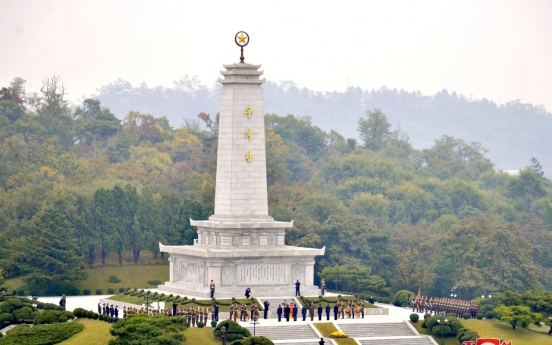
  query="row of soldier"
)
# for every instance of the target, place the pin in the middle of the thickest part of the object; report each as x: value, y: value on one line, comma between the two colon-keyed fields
x: 241, y: 312
x: 342, y: 309
x: 444, y: 305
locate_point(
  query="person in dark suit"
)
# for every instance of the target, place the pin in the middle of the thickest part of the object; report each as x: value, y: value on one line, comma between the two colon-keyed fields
x: 247, y: 292
x: 286, y: 312
x: 321, y: 342
x: 117, y: 311
x: 328, y: 312
x: 266, y: 304
x: 111, y: 311
x: 295, y: 313
x: 336, y: 310
x: 279, y: 312
x: 371, y: 300
x: 297, y: 289
x: 304, y: 312
x: 216, y: 311
x: 319, y: 312
x: 174, y: 308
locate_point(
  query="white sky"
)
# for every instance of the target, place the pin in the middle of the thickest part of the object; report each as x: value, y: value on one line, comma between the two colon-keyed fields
x: 501, y: 50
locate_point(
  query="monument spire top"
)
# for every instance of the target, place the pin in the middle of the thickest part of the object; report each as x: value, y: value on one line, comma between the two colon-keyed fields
x: 242, y: 39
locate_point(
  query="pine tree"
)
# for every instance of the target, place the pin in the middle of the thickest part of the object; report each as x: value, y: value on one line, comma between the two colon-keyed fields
x: 536, y: 167
x: 51, y: 251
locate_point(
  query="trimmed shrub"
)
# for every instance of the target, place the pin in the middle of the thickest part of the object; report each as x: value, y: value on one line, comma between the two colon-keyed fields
x: 78, y: 312
x: 402, y: 298
x: 111, y: 291
x: 6, y: 317
x: 95, y: 316
x: 44, y: 334
x: 114, y: 279
x: 20, y: 292
x: 154, y: 282
x: 214, y: 323
x: 479, y: 316
x: 200, y: 324
x: 254, y: 341
x: 122, y: 290
x: 87, y: 291
x: 88, y: 314
x: 22, y: 314
x: 75, y: 292
x: 99, y: 291
x: 386, y: 300
x: 489, y: 315
x: 438, y: 329
x: 235, y: 331
x: 427, y: 316
x: 465, y: 334
x: 466, y: 316
x: 17, y: 328
x: 414, y: 317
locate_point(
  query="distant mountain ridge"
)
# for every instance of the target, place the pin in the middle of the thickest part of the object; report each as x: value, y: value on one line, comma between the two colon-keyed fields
x: 512, y: 132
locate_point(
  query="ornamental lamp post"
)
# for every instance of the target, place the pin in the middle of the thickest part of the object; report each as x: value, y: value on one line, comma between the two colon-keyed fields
x: 484, y: 297
x: 147, y: 297
x: 439, y: 322
x: 35, y: 298
x: 254, y: 323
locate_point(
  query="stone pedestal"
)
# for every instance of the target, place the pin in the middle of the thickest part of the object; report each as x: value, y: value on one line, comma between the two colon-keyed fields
x: 241, y: 246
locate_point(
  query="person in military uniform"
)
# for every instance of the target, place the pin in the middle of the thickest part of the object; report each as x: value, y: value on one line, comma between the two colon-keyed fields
x: 311, y: 311
x: 322, y: 286
x: 212, y: 288
x: 266, y: 305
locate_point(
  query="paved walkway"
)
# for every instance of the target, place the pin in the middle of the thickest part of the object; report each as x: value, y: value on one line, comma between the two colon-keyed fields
x: 365, y: 331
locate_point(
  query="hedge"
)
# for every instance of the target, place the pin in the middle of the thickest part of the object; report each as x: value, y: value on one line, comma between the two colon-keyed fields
x: 43, y: 334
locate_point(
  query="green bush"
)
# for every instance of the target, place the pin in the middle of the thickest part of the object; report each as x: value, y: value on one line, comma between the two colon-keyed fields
x: 164, y: 328
x: 75, y: 292
x: 214, y: 323
x: 17, y: 328
x: 6, y: 317
x: 89, y: 314
x: 489, y: 315
x: 466, y: 316
x: 414, y: 317
x: 479, y: 316
x: 235, y: 331
x: 114, y: 279
x: 95, y: 316
x: 254, y: 341
x: 427, y: 316
x: 154, y: 282
x: 437, y: 330
x: 20, y: 292
x: 200, y: 324
x: 87, y: 291
x: 111, y: 291
x: 465, y: 334
x: 99, y: 291
x: 10, y: 305
x: 43, y: 334
x: 386, y: 300
x: 402, y: 298
x: 79, y: 312
x: 122, y: 290
x: 22, y: 313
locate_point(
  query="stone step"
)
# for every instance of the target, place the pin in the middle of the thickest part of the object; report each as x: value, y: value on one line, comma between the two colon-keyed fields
x: 362, y: 330
x: 285, y: 333
x: 313, y: 342
x: 419, y: 340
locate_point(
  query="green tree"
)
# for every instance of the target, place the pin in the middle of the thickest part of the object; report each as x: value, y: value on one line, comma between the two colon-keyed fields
x: 374, y: 130
x: 95, y: 123
x: 51, y: 251
x: 515, y: 315
x: 151, y: 330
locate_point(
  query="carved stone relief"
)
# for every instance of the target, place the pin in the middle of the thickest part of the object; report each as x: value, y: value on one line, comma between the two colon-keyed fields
x: 271, y: 239
x: 189, y: 272
x: 227, y: 275
x: 236, y: 240
x: 297, y: 272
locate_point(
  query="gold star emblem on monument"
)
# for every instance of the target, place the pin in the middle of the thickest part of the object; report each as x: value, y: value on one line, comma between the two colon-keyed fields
x: 242, y: 39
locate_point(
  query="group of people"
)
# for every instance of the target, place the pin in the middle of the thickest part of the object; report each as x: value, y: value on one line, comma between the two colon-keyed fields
x: 444, y: 305
x: 240, y: 312
x: 342, y: 309
x: 106, y: 309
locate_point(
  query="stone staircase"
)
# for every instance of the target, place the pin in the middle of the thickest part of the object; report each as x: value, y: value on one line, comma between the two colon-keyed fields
x: 417, y: 340
x: 276, y: 333
x: 369, y: 330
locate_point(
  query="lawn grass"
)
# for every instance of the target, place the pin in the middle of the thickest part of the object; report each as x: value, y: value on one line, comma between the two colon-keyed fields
x: 201, y: 336
x: 333, y: 299
x: 503, y: 330
x: 326, y: 328
x: 130, y: 276
x: 496, y: 329
x: 95, y: 333
x: 224, y: 304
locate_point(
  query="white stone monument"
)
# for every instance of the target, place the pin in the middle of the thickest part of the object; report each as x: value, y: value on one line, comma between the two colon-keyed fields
x: 241, y: 246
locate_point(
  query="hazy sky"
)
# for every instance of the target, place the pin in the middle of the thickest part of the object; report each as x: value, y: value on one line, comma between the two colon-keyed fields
x: 501, y: 50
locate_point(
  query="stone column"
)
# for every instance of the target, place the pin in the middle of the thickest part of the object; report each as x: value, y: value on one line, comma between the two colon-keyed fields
x: 309, y: 272
x: 171, y: 268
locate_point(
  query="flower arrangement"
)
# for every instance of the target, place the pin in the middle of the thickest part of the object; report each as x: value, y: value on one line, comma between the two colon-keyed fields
x: 338, y: 334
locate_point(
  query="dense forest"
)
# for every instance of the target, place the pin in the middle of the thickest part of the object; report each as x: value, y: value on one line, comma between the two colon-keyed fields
x: 79, y: 184
x: 512, y: 132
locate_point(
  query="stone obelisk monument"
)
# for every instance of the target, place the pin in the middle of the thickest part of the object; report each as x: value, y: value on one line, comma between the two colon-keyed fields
x: 241, y: 246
